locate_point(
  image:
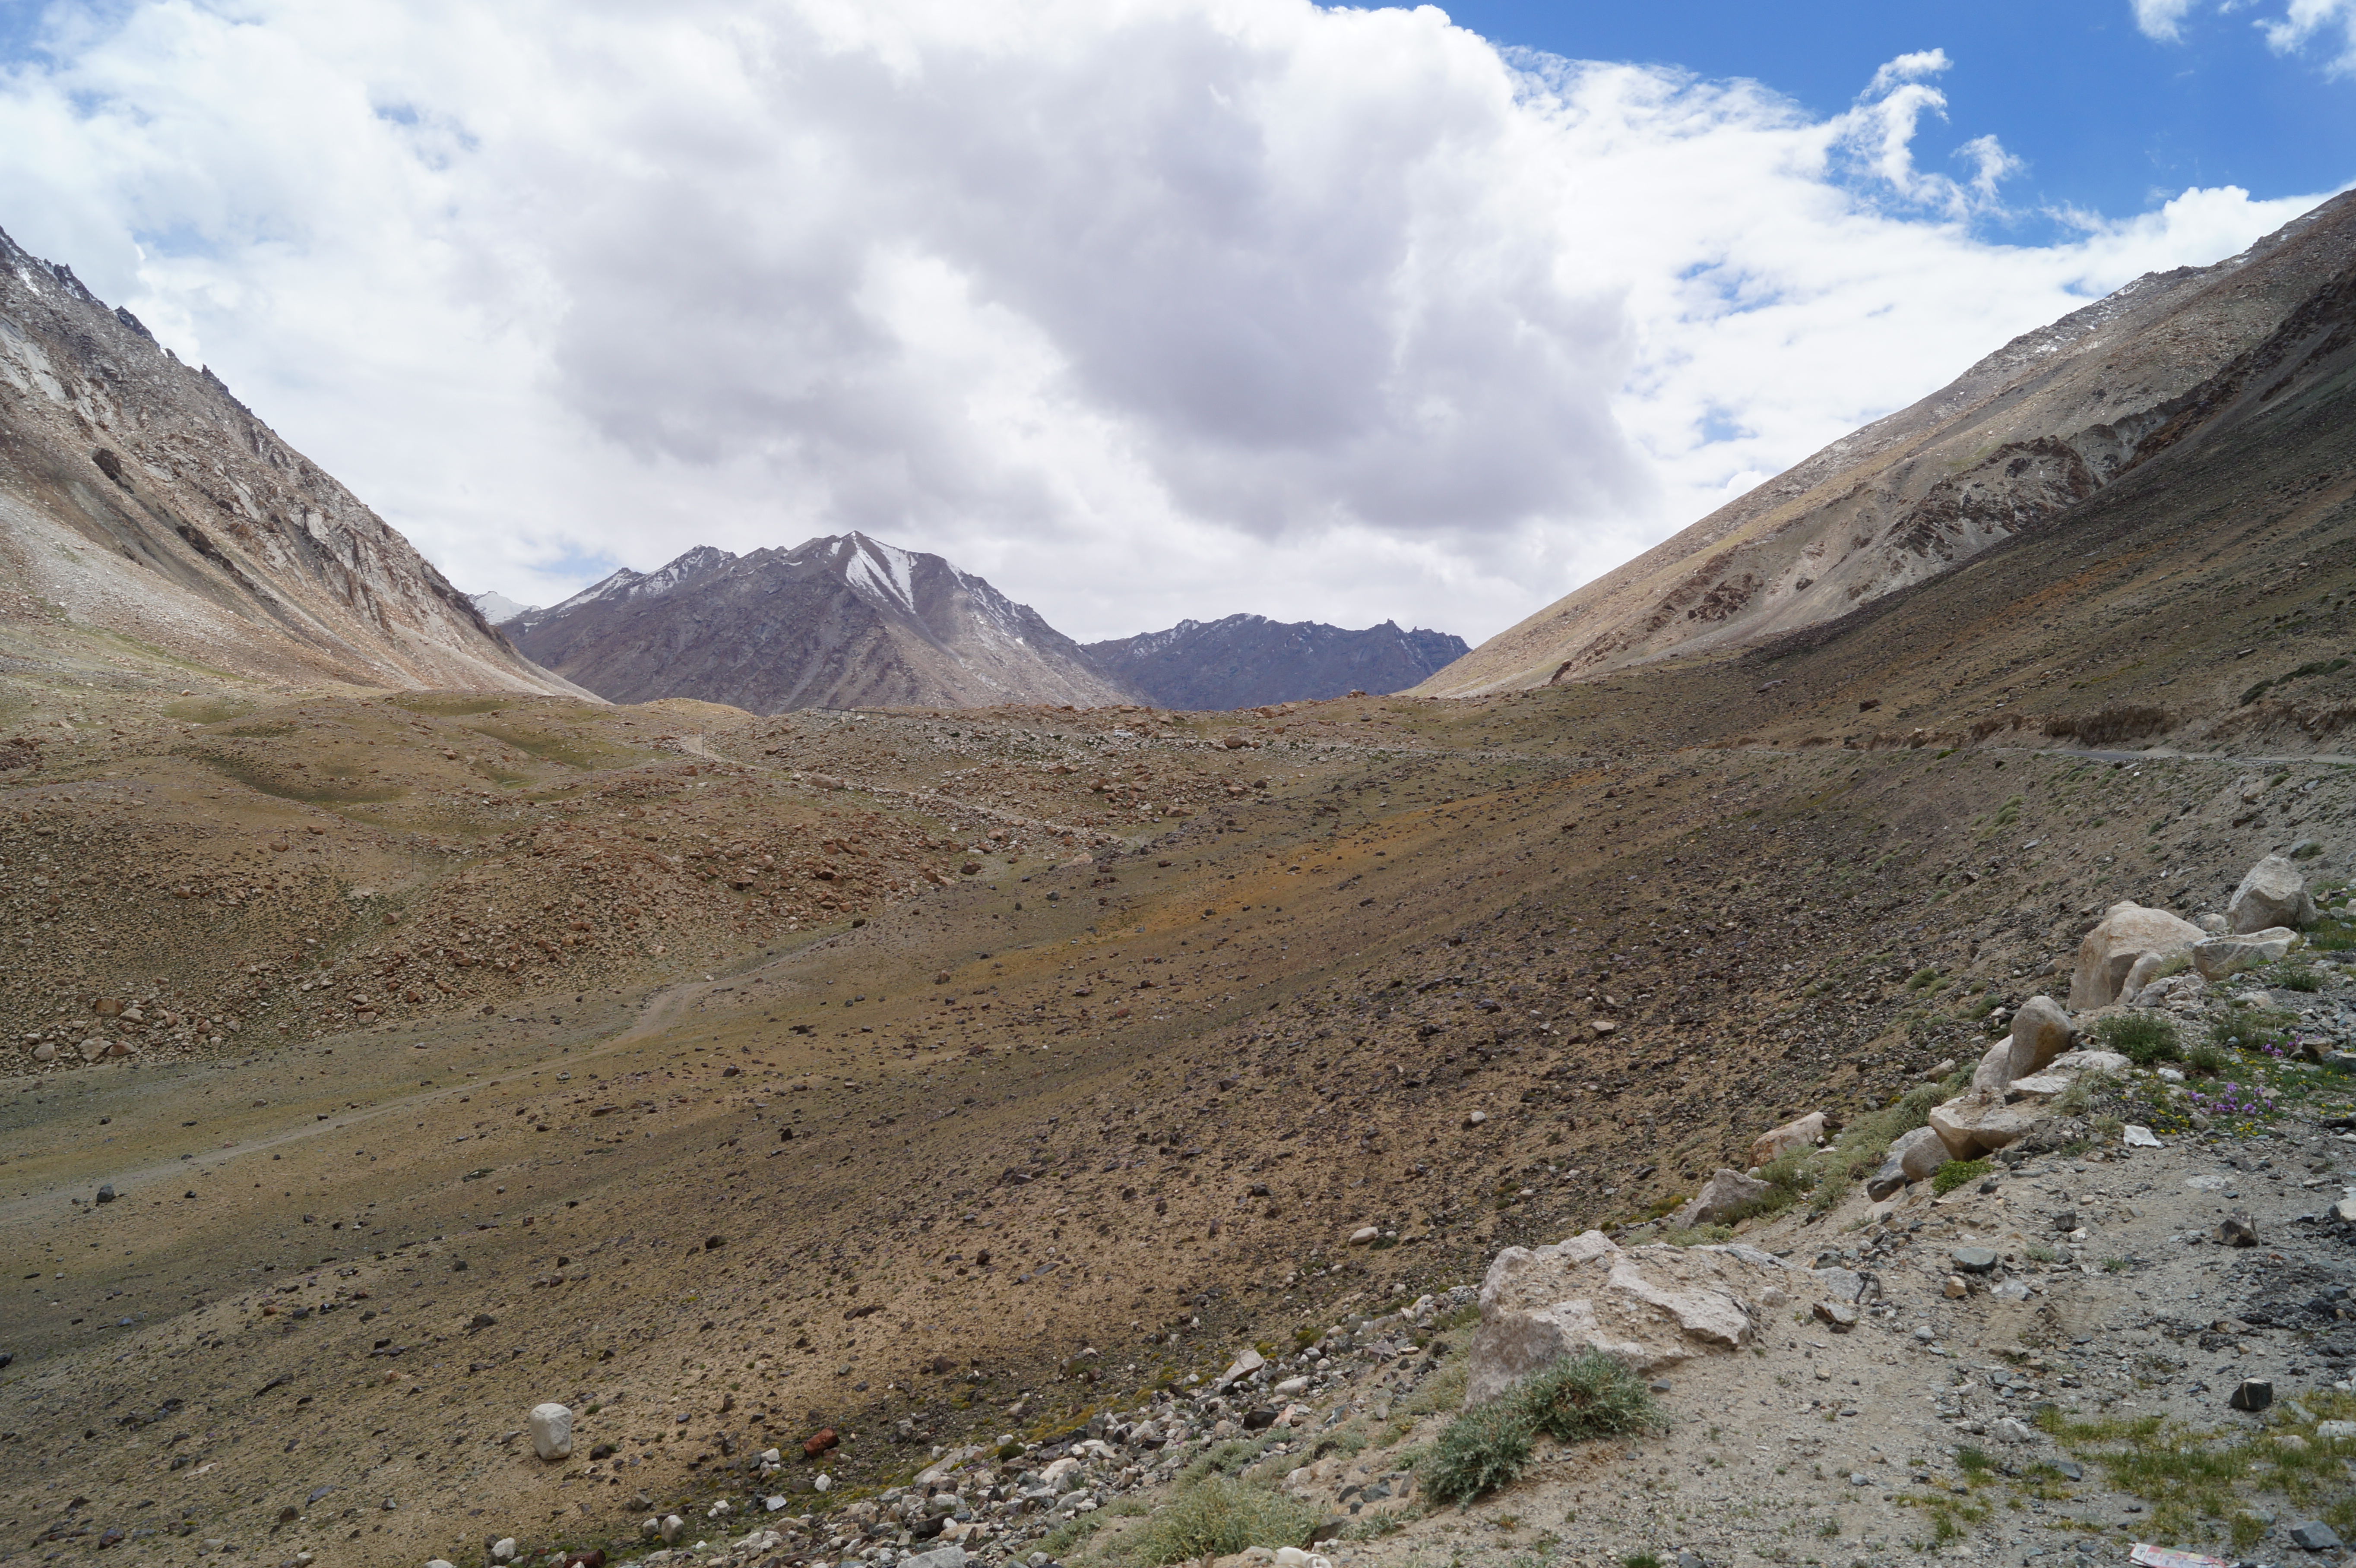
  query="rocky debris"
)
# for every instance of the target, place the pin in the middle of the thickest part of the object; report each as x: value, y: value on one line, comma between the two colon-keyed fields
x: 1913, y: 1157
x: 2273, y: 894
x: 1808, y: 1132
x: 1652, y: 1306
x: 2040, y: 1032
x: 1720, y: 1197
x: 2215, y: 958
x: 2127, y: 935
x: 1981, y: 1120
x: 550, y: 1427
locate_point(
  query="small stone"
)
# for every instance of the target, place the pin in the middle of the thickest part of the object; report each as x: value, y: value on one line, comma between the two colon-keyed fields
x: 671, y: 1528
x: 2237, y: 1230
x: 1974, y: 1260
x: 2011, y: 1431
x: 1955, y: 1288
x: 1363, y: 1234
x: 818, y: 1442
x: 551, y: 1431
x: 2010, y: 1290
x: 2334, y: 1431
x: 2253, y: 1394
x: 1242, y: 1367
x: 1839, y: 1314
x: 1859, y: 1478
x: 503, y: 1549
x: 823, y: 1483
x: 1691, y: 1560
x: 2071, y: 1469
x: 439, y: 1563
x: 2142, y: 1138
x: 1476, y: 1118
x: 2314, y: 1536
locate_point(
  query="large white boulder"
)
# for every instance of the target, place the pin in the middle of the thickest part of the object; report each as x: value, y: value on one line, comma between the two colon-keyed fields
x: 2273, y: 893
x: 1651, y: 1307
x: 550, y: 1427
x: 2107, y: 955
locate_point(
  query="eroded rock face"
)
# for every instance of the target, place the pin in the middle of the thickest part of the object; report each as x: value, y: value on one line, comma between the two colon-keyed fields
x: 2273, y: 894
x: 1651, y: 1307
x: 2108, y: 953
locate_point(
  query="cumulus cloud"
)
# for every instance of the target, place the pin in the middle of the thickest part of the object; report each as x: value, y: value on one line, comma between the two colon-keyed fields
x: 2161, y: 19
x: 2306, y: 20
x: 1145, y: 310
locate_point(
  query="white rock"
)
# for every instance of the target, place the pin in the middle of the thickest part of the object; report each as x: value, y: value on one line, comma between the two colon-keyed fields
x: 2273, y: 894
x: 551, y: 1431
x: 1363, y: 1234
x: 2009, y: 1430
x: 1651, y: 1307
x: 719, y: 1510
x: 1808, y: 1132
x: 824, y: 1483
x: 2215, y: 957
x: 2335, y: 1431
x: 1245, y: 1364
x: 672, y: 1528
x: 2214, y: 924
x: 941, y: 1557
x: 2142, y: 1138
x: 1289, y: 1387
x: 773, y: 1503
x: 1722, y: 1195
x: 504, y: 1549
x: 2108, y: 953
x: 439, y: 1563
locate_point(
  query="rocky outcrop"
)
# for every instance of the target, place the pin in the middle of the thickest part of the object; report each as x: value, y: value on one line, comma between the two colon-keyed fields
x: 2273, y: 894
x: 2126, y: 935
x: 1806, y: 1132
x: 1982, y: 1120
x: 841, y: 622
x: 1245, y: 661
x: 1651, y: 1307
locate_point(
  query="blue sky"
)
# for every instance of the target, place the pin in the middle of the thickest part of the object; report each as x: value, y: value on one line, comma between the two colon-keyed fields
x: 2105, y: 117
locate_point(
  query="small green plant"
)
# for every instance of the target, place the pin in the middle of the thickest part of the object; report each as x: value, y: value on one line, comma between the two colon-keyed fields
x: 2299, y: 978
x: 2042, y: 1253
x: 1641, y: 1560
x: 1578, y: 1398
x: 1217, y: 1519
x: 1972, y: 1460
x: 1956, y: 1173
x: 1921, y: 978
x: 2008, y: 812
x: 1828, y: 1530
x: 2114, y: 1265
x: 2142, y: 1038
x: 2206, y: 1057
x: 2254, y: 1028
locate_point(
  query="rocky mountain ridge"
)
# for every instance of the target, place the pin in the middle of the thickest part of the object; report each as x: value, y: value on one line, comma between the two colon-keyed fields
x: 141, y: 501
x: 843, y: 620
x: 1250, y: 661
x: 2031, y: 431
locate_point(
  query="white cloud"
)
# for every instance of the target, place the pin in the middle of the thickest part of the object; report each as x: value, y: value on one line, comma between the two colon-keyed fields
x: 2161, y: 19
x: 1145, y: 309
x: 2305, y: 20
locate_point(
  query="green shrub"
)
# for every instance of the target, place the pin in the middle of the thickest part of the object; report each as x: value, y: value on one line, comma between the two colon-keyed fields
x: 1220, y: 1518
x: 2142, y: 1038
x: 1972, y: 1460
x: 2206, y: 1057
x: 2254, y: 1028
x: 2299, y: 978
x: 1641, y: 1560
x: 1581, y: 1397
x: 1585, y: 1396
x: 1956, y: 1173
x: 1480, y: 1451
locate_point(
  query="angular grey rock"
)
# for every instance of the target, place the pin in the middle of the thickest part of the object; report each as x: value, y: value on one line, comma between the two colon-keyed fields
x: 551, y: 1430
x: 939, y: 1557
x: 1724, y: 1192
x: 1839, y: 1316
x: 1912, y: 1157
x: 1974, y: 1260
x: 2314, y: 1535
x: 2237, y: 1231
x: 2108, y: 953
x: 1242, y: 1367
x: 2253, y: 1394
x: 2273, y: 894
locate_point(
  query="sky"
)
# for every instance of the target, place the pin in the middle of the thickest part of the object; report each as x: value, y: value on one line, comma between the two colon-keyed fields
x: 1143, y: 309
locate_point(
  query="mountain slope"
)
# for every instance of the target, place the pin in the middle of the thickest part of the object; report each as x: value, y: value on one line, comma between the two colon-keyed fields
x: 1245, y: 661
x: 2022, y: 436
x: 139, y: 498
x: 838, y: 621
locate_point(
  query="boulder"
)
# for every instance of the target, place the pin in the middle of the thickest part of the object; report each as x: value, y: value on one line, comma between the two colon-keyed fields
x: 2058, y: 1073
x: 551, y: 1431
x: 1806, y: 1133
x: 2171, y: 991
x: 1912, y: 1157
x: 2273, y: 893
x: 1974, y: 1123
x: 1651, y: 1307
x: 2040, y: 1032
x: 2215, y: 957
x: 2211, y: 922
x: 2108, y: 953
x: 1720, y: 1196
x: 1244, y: 1366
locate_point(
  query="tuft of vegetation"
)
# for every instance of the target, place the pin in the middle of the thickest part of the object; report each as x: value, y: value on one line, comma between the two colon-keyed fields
x: 1957, y: 1173
x: 2206, y: 1057
x: 1641, y: 1560
x: 1577, y: 1399
x: 2299, y: 978
x: 2142, y: 1038
x: 2254, y: 1028
x: 1219, y: 1518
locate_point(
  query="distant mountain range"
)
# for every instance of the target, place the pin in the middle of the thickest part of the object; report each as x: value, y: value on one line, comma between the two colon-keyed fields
x: 839, y: 622
x: 1247, y: 661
